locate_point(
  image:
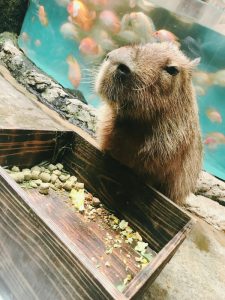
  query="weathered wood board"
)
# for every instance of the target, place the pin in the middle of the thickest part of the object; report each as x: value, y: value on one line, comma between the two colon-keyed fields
x: 46, y: 247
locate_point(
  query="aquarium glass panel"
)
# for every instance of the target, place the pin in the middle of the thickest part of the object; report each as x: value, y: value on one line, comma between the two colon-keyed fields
x: 69, y: 39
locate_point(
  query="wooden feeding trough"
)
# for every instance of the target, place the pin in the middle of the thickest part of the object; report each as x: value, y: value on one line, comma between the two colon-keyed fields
x: 48, y: 251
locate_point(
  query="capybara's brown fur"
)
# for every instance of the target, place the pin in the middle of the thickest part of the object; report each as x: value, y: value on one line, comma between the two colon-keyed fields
x: 149, y: 120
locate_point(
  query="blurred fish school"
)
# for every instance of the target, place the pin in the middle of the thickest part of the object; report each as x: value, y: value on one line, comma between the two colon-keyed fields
x: 69, y: 39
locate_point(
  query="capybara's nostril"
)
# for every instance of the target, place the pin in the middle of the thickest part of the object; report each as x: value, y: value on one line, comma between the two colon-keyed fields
x: 123, y: 70
x: 106, y: 57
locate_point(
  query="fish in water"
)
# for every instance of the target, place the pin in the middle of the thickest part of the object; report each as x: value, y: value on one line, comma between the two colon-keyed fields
x: 192, y: 47
x: 62, y: 2
x: 202, y: 78
x: 214, y: 139
x: 164, y: 35
x: 202, y: 81
x: 128, y: 37
x: 110, y: 21
x: 25, y: 37
x: 200, y: 90
x: 132, y: 3
x: 136, y: 27
x: 107, y: 43
x: 69, y: 31
x: 214, y: 115
x: 144, y: 5
x: 80, y: 15
x: 37, y: 43
x: 104, y: 39
x: 88, y: 46
x: 74, y: 73
x: 99, y: 2
x: 142, y: 25
x: 42, y: 15
x: 219, y: 78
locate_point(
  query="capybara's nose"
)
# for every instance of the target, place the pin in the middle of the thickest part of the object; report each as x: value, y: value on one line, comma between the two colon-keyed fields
x: 123, y: 70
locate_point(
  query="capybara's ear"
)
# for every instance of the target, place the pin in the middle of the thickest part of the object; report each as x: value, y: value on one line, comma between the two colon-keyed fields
x: 194, y: 63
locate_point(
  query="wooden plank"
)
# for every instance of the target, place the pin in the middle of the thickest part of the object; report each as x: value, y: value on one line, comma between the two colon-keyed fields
x: 160, y: 222
x: 156, y: 218
x: 46, y: 224
x: 55, y: 208
x: 141, y: 283
x: 26, y: 147
x: 37, y: 259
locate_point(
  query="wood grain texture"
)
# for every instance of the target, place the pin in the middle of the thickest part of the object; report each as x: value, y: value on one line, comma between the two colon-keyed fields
x: 160, y: 222
x: 28, y: 147
x: 152, y: 214
x: 141, y: 283
x: 37, y: 259
x: 45, y: 248
x: 88, y: 236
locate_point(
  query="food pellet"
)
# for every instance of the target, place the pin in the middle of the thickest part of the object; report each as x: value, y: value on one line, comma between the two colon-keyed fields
x: 46, y: 177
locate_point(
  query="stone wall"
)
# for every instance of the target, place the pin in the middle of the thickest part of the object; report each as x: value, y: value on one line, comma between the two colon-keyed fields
x: 69, y: 104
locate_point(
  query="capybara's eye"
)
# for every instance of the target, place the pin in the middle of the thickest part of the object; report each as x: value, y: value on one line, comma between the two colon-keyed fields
x: 172, y: 70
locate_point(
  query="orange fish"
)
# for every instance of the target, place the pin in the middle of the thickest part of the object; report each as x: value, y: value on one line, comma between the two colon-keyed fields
x: 214, y: 115
x: 80, y: 14
x: 110, y: 21
x: 213, y: 139
x: 74, y: 73
x: 88, y: 46
x: 42, y: 16
x: 163, y: 35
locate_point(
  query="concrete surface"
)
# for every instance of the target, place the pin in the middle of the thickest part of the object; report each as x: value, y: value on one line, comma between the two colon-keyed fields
x: 197, y: 271
x: 211, y: 211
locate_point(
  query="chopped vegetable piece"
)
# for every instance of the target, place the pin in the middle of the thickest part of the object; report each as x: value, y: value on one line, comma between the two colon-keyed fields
x: 78, y: 198
x: 123, y: 224
x: 127, y: 279
x: 141, y: 246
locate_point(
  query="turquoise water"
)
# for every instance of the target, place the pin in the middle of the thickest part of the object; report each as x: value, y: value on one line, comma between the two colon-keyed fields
x: 52, y: 54
x: 49, y: 49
